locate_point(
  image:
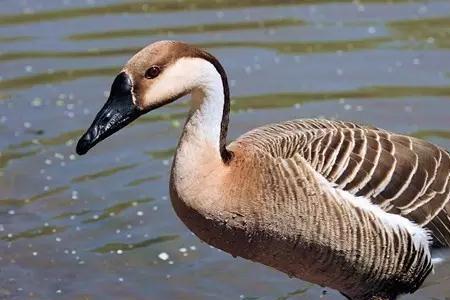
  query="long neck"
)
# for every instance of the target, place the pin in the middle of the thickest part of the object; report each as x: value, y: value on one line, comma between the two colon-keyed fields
x: 207, y: 122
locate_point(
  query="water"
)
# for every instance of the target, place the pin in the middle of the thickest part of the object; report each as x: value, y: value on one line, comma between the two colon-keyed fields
x: 101, y: 226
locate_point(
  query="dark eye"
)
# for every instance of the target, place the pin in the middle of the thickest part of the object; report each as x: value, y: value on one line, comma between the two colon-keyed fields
x: 152, y: 72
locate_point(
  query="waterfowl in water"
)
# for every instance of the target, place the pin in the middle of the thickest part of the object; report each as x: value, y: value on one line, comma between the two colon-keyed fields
x: 343, y: 205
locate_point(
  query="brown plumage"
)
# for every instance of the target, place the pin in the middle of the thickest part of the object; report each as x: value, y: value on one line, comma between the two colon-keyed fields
x: 402, y: 174
x: 334, y: 203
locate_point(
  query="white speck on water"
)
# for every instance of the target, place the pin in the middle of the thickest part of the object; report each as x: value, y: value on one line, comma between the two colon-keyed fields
x: 371, y: 30
x: 120, y: 279
x: 58, y: 239
x: 36, y: 102
x: 74, y: 195
x: 339, y: 72
x: 119, y: 251
x: 220, y: 14
x: 73, y: 252
x: 11, y: 212
x: 35, y: 253
x: 28, y: 68
x: 408, y: 108
x: 58, y: 156
x: 129, y: 236
x: 170, y: 262
x: 72, y: 217
x: 72, y: 157
x: 422, y: 10
x: 347, y: 107
x: 95, y: 217
x: 416, y: 61
x: 182, y: 250
x: 48, y: 161
x: 193, y: 248
x: 166, y: 162
x: 2, y: 228
x: 140, y: 213
x: 117, y: 231
x: 58, y: 291
x: 155, y: 208
x: 163, y: 256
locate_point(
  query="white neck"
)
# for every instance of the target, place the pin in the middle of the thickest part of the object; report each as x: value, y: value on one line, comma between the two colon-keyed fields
x: 202, y: 129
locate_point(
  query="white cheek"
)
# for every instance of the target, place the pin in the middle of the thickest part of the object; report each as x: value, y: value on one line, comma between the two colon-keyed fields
x: 178, y: 79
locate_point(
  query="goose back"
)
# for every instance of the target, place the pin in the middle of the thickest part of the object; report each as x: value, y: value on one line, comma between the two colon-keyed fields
x: 401, y: 174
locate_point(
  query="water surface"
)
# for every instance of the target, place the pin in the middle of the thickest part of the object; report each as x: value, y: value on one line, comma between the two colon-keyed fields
x: 101, y: 226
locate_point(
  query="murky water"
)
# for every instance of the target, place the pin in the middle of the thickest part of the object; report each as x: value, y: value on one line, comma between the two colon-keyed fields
x: 101, y: 226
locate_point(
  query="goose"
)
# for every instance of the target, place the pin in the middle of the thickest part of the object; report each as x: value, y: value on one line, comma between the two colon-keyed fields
x: 339, y: 204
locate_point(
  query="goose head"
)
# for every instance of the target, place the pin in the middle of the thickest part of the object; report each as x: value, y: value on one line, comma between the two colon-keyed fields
x: 157, y: 75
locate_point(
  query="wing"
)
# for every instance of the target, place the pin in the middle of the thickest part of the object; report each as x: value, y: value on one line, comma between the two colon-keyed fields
x: 402, y: 174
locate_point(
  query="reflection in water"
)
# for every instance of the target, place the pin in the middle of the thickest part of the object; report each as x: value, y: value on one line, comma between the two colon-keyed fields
x: 198, y: 28
x: 114, y: 247
x: 116, y: 209
x: 103, y: 173
x: 95, y: 231
x: 161, y: 6
x: 140, y: 181
x: 55, y: 77
x: 426, y: 32
x: 33, y: 233
x: 426, y: 134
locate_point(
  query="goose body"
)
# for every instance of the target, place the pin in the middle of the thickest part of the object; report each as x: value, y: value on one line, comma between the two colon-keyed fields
x: 335, y: 203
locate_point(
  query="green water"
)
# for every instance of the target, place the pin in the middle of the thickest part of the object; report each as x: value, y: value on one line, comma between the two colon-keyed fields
x: 101, y: 226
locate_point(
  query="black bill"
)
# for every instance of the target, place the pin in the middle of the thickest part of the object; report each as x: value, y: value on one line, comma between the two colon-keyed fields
x: 117, y: 112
